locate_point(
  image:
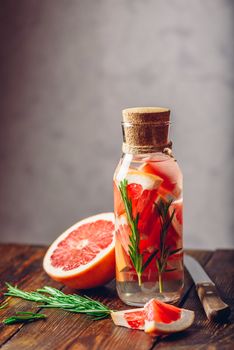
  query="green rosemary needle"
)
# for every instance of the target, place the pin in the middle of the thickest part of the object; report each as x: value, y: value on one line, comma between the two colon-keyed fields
x: 50, y: 297
x: 3, y: 305
x: 165, y: 251
x: 23, y: 317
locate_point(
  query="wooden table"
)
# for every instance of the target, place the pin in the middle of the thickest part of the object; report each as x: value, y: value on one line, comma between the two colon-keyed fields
x: 22, y: 264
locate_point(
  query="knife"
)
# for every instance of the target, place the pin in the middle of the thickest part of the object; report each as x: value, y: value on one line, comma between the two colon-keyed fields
x: 213, y: 305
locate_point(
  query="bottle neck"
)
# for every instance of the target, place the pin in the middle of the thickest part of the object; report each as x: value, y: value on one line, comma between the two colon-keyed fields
x: 159, y: 156
x: 132, y: 149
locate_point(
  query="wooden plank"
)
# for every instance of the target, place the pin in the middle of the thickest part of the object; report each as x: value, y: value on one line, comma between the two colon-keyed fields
x: 63, y: 330
x: 205, y: 334
x: 10, y: 253
x: 17, y: 261
x: 69, y: 331
x: 60, y: 329
x: 105, y: 335
x: 24, y: 269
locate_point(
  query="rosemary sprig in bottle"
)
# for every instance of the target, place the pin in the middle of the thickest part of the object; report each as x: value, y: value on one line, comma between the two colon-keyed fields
x: 49, y: 297
x: 165, y: 251
x: 134, y: 251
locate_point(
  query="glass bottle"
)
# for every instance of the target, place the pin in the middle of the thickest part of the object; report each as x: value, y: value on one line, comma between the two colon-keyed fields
x: 148, y: 206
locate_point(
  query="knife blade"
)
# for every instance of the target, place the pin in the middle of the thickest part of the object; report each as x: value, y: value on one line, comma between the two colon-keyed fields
x: 213, y: 305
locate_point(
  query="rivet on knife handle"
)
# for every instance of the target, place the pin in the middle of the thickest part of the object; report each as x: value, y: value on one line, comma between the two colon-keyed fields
x: 214, y: 307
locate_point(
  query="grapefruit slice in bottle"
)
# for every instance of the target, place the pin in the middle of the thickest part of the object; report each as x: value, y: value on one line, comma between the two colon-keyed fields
x: 169, y: 172
x: 84, y: 255
x: 141, y: 188
x: 122, y: 260
x: 146, y: 181
x: 123, y: 231
x: 177, y: 221
x: 142, y: 191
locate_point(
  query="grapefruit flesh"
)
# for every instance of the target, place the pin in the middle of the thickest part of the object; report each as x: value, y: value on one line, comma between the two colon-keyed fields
x: 134, y: 318
x: 177, y: 221
x: 160, y: 312
x: 123, y: 263
x: 140, y: 191
x: 165, y: 319
x: 83, y: 256
x: 123, y: 231
x: 144, y: 189
x: 156, y: 318
x: 171, y: 175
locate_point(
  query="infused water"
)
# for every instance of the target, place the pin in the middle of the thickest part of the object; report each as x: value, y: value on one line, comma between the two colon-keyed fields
x: 148, y: 206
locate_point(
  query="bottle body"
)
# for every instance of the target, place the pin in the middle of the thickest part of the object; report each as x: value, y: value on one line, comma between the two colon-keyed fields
x: 148, y: 206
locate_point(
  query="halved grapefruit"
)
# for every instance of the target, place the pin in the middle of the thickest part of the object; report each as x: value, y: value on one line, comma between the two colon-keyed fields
x: 156, y: 318
x: 84, y: 255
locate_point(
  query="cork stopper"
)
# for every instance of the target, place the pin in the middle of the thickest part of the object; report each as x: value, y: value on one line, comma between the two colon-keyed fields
x: 145, y: 129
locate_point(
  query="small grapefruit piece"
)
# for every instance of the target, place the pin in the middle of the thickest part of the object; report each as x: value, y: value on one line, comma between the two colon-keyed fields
x: 123, y: 263
x: 134, y: 318
x: 118, y: 202
x: 170, y: 173
x: 147, y: 181
x: 156, y: 318
x: 84, y: 256
x: 177, y: 221
x: 163, y: 318
x: 123, y: 231
x: 142, y: 190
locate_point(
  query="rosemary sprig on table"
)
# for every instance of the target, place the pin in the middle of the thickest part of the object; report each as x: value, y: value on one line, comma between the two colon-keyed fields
x: 165, y: 251
x: 50, y: 297
x: 3, y: 305
x: 134, y: 250
x: 23, y: 317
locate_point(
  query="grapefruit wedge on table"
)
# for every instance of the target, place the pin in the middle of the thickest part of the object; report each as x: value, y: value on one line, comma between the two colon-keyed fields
x: 156, y: 318
x: 84, y: 255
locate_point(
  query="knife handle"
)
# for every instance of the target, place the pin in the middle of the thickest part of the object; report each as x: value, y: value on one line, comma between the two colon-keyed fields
x: 215, y: 308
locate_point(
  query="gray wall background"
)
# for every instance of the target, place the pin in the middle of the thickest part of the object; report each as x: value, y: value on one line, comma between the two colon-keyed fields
x: 68, y: 68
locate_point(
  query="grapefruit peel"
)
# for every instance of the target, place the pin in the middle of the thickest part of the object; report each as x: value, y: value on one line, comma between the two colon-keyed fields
x: 147, y: 181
